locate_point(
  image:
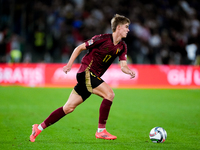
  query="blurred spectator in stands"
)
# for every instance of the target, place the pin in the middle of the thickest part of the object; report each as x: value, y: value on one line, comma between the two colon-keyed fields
x: 4, y: 38
x: 39, y: 45
x: 15, y: 49
x: 15, y: 56
x: 197, y: 60
x: 2, y: 47
x: 160, y: 30
x: 155, y: 44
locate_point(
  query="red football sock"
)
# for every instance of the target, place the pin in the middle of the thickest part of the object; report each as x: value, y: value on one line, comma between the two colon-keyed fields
x: 104, y: 112
x: 53, y: 117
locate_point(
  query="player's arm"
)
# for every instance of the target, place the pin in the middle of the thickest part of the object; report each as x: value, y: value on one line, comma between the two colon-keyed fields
x: 74, y: 55
x: 126, y: 69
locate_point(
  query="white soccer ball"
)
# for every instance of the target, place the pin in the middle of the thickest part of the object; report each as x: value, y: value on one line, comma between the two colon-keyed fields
x: 158, y: 135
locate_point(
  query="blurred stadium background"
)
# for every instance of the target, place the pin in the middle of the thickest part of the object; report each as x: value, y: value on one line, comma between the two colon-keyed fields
x: 161, y: 31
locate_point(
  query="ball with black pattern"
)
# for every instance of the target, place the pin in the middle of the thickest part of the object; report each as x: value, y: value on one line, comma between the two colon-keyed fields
x: 158, y: 135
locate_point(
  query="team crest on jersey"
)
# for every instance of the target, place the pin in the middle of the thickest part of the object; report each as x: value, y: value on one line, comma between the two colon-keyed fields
x: 90, y: 42
x: 118, y: 50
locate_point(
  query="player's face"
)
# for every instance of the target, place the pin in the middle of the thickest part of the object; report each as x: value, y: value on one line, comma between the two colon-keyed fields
x: 124, y: 29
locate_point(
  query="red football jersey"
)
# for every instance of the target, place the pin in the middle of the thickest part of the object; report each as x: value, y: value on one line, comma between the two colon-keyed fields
x: 102, y: 53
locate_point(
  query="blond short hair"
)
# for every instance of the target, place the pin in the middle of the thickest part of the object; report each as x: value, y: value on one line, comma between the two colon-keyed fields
x: 117, y: 20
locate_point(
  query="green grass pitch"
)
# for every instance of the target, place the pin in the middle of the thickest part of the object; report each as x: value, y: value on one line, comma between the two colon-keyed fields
x: 134, y: 112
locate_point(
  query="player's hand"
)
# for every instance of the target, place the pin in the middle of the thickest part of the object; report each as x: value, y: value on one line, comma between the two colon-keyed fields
x: 66, y: 69
x: 132, y: 74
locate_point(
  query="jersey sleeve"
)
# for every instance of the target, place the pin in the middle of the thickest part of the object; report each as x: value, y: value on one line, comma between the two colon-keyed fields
x: 123, y: 55
x: 97, y: 39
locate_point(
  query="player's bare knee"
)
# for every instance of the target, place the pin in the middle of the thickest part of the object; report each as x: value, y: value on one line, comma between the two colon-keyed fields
x: 110, y: 95
x: 68, y: 110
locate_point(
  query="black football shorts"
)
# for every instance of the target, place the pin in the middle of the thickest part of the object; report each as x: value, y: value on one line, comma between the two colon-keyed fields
x: 87, y: 81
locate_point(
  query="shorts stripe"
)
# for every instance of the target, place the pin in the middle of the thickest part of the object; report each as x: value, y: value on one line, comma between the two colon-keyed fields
x: 88, y: 80
x: 74, y: 92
